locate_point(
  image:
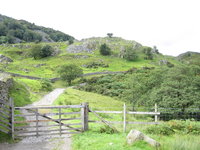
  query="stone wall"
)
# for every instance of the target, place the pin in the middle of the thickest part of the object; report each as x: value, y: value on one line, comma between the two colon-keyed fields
x: 6, y: 83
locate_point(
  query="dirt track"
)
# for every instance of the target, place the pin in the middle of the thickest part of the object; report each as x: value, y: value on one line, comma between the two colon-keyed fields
x: 42, y: 142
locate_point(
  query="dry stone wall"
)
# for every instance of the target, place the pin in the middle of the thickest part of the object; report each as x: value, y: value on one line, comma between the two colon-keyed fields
x: 6, y: 83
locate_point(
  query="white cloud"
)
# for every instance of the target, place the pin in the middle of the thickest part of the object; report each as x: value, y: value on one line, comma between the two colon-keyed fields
x: 171, y: 25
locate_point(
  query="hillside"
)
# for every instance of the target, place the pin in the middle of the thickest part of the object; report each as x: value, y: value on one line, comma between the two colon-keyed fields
x: 18, y: 31
x: 83, y: 53
x: 190, y: 58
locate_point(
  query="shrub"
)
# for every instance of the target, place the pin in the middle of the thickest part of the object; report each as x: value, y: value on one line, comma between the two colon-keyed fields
x: 38, y: 51
x: 107, y: 130
x: 161, y: 129
x: 185, y: 127
x: 130, y: 54
x: 105, y: 50
x: 46, y: 85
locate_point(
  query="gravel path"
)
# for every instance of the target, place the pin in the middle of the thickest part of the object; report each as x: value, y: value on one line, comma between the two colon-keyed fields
x: 42, y: 142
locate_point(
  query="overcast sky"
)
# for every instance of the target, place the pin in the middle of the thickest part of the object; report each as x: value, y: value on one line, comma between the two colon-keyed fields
x: 172, y: 25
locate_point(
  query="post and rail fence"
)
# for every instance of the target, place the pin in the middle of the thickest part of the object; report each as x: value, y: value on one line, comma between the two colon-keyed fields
x: 69, y: 119
x: 124, y: 113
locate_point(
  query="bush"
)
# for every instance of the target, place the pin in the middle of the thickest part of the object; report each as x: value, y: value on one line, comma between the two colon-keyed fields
x: 105, y: 50
x: 107, y: 130
x: 161, y: 129
x: 185, y: 127
x: 175, y: 126
x: 38, y: 51
x: 46, y: 85
x: 130, y: 54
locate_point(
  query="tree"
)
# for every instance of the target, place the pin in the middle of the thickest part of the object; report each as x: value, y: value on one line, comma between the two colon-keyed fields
x: 130, y: 54
x: 38, y: 51
x: 155, y: 50
x: 105, y: 50
x: 110, y: 35
x: 70, y: 41
x: 148, y: 52
x: 70, y: 72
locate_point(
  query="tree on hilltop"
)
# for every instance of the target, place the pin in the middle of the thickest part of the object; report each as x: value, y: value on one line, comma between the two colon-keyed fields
x: 110, y: 35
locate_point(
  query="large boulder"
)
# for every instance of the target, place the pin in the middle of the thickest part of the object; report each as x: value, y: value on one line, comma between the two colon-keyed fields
x: 4, y: 59
x: 135, y: 135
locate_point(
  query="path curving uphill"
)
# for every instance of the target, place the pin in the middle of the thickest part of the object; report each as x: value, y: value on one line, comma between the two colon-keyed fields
x: 42, y: 142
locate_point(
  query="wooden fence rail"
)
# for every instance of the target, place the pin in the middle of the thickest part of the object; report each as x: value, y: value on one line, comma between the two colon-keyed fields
x: 6, y: 122
x: 124, y: 113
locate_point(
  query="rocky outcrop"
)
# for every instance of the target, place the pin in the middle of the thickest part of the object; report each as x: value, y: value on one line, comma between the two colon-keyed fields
x: 4, y: 59
x: 6, y: 83
x: 135, y: 135
x: 165, y: 62
x: 86, y: 47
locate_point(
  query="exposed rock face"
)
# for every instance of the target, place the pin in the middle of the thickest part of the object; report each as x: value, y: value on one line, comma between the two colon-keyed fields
x: 165, y: 62
x: 6, y: 83
x: 87, y: 47
x: 135, y: 135
x: 4, y: 59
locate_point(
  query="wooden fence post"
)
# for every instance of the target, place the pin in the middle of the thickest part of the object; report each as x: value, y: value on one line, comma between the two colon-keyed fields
x: 84, y: 116
x: 60, y: 125
x: 124, y: 118
x: 156, y: 110
x: 37, y: 121
x: 124, y: 112
x: 12, y: 119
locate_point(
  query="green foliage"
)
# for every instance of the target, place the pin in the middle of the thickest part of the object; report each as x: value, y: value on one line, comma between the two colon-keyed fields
x: 148, y: 52
x: 161, y: 129
x: 130, y: 53
x: 180, y: 89
x: 96, y: 64
x: 109, y: 85
x: 46, y: 85
x: 175, y: 126
x: 105, y: 50
x: 70, y: 72
x: 39, y: 51
x: 176, y: 87
x: 17, y: 31
x: 107, y: 130
x: 185, y: 127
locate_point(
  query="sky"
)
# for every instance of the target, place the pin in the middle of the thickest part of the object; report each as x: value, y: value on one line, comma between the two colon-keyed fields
x: 173, y: 26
